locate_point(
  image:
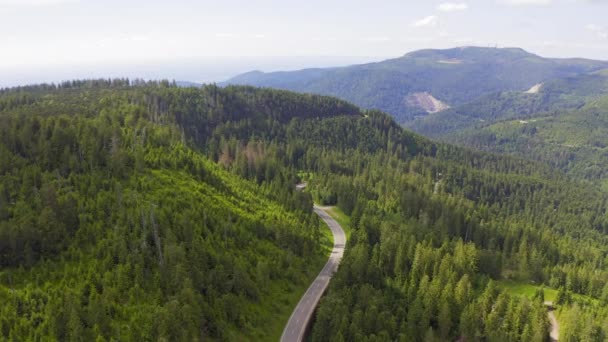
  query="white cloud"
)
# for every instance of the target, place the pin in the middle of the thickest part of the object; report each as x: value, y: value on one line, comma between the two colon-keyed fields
x: 233, y: 35
x: 463, y: 40
x: 34, y: 3
x: 570, y: 45
x: 121, y: 40
x: 444, y: 33
x: 324, y: 39
x: 601, y: 32
x: 430, y: 21
x: 138, y: 38
x: 452, y: 6
x: 226, y: 35
x: 417, y: 39
x: 526, y: 2
x: 376, y: 39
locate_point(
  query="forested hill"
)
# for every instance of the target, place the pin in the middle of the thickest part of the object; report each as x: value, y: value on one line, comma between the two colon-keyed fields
x: 550, y: 99
x: 113, y: 227
x: 426, y: 81
x: 564, y: 124
x: 145, y: 211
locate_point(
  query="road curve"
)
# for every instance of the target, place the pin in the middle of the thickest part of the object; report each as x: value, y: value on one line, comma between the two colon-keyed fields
x: 300, y: 317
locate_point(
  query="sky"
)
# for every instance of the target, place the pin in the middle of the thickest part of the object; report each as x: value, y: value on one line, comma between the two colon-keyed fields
x: 73, y: 38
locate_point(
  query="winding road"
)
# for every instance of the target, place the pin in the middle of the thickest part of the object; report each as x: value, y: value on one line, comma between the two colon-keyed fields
x: 299, y: 320
x: 300, y: 317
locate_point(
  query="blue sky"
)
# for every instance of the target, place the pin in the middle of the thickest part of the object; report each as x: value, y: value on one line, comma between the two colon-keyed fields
x: 48, y: 33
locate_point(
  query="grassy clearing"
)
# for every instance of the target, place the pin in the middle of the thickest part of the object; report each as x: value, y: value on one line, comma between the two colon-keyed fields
x: 528, y: 290
x: 525, y: 289
x: 342, y: 219
x: 305, y: 176
x: 327, y: 239
x: 277, y: 308
x: 287, y: 296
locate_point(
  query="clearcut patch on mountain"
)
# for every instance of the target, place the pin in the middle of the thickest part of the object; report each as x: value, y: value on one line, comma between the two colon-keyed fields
x: 426, y: 101
x: 534, y: 89
x: 450, y: 61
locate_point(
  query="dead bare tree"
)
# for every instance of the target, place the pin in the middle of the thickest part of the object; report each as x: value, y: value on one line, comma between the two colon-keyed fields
x: 156, y: 235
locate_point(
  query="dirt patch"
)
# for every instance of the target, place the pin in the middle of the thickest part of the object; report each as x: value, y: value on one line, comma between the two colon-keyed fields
x: 426, y: 101
x: 450, y: 61
x: 535, y: 89
x: 554, y: 333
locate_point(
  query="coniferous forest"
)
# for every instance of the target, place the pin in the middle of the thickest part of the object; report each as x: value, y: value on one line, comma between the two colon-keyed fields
x: 142, y: 211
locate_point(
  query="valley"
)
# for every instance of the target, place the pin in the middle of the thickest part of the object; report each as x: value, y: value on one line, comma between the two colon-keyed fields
x: 310, y: 171
x: 125, y: 203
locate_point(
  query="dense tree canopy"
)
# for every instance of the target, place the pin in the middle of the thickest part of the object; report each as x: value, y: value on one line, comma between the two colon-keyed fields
x: 143, y: 211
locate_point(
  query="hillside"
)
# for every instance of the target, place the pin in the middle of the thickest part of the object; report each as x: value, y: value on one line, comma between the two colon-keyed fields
x: 170, y: 213
x: 564, y: 124
x: 453, y: 76
x: 112, y: 227
x: 551, y: 97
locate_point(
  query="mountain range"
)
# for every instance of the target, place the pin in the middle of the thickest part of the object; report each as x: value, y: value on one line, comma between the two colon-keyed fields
x: 426, y: 81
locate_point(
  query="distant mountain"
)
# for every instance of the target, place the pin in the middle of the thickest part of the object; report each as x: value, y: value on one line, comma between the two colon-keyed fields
x: 187, y: 84
x: 426, y: 81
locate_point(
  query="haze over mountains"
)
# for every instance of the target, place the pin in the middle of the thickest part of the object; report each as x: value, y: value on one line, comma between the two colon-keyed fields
x: 193, y: 70
x: 426, y: 81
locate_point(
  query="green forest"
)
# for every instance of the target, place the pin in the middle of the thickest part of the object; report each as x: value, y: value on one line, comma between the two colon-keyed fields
x: 140, y: 211
x: 563, y: 125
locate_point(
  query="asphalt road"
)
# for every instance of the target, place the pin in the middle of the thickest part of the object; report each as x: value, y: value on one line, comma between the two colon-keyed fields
x: 300, y: 317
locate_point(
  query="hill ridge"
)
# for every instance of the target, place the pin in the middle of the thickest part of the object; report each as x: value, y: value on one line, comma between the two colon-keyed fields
x: 454, y: 76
